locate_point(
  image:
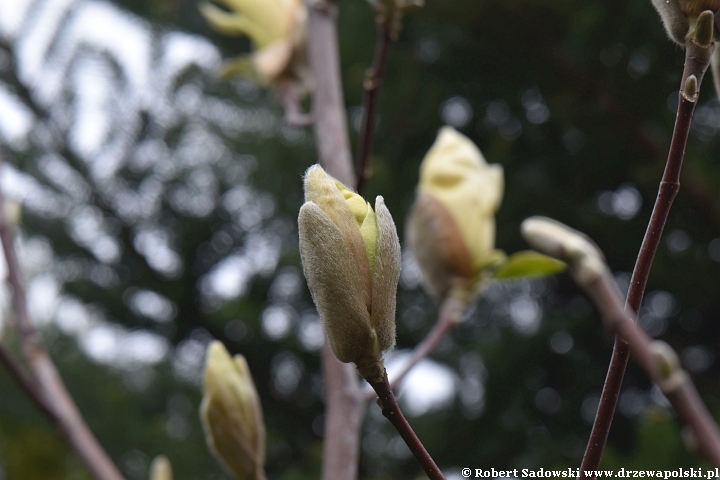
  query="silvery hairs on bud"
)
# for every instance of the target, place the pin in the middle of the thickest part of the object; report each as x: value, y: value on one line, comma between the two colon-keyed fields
x: 356, y: 303
x: 675, y: 22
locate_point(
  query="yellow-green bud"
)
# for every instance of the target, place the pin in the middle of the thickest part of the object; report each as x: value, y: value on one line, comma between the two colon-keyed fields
x: 231, y: 414
x: 351, y: 259
x: 160, y: 468
x: 451, y: 227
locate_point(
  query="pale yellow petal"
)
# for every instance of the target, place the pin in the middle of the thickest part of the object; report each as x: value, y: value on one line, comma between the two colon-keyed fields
x: 456, y: 174
x: 369, y: 232
x: 273, y: 61
x: 227, y: 23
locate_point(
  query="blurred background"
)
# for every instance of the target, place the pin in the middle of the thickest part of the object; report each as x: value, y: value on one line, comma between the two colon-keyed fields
x: 159, y: 209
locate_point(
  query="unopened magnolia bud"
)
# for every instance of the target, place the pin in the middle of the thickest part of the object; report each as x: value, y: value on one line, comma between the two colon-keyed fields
x: 556, y: 239
x: 160, y: 468
x: 231, y: 414
x: 451, y: 227
x: 351, y: 259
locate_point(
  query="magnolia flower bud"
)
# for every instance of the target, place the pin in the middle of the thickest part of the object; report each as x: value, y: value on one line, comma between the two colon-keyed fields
x: 351, y: 259
x: 231, y: 414
x: 160, y: 468
x: 451, y: 227
x: 277, y: 30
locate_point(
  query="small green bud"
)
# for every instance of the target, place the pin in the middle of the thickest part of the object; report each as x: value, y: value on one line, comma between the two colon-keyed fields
x: 704, y: 28
x: 351, y: 259
x: 231, y: 414
x: 691, y: 86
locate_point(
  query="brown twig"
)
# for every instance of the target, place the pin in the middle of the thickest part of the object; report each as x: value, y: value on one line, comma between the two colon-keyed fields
x: 587, y: 264
x: 24, y: 381
x: 328, y: 108
x: 386, y: 36
x: 676, y: 385
x: 697, y: 58
x: 451, y: 313
x: 342, y: 390
x: 391, y: 411
x: 53, y: 393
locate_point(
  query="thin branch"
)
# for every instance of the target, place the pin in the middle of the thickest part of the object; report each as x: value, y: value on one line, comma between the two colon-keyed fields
x: 697, y: 59
x: 343, y: 418
x: 328, y: 108
x: 26, y: 383
x: 451, y: 313
x: 675, y: 384
x: 341, y: 445
x: 391, y: 411
x: 53, y: 391
x: 587, y: 265
x: 386, y: 36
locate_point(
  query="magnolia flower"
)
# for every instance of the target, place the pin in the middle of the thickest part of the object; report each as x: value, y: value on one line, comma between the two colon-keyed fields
x: 351, y: 259
x: 451, y: 227
x: 231, y: 414
x: 277, y: 30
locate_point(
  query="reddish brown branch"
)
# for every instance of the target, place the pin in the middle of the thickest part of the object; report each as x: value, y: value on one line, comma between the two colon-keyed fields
x: 697, y: 58
x: 52, y: 392
x: 391, y: 411
x: 678, y: 388
x: 24, y: 381
x: 373, y: 80
x: 451, y: 313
